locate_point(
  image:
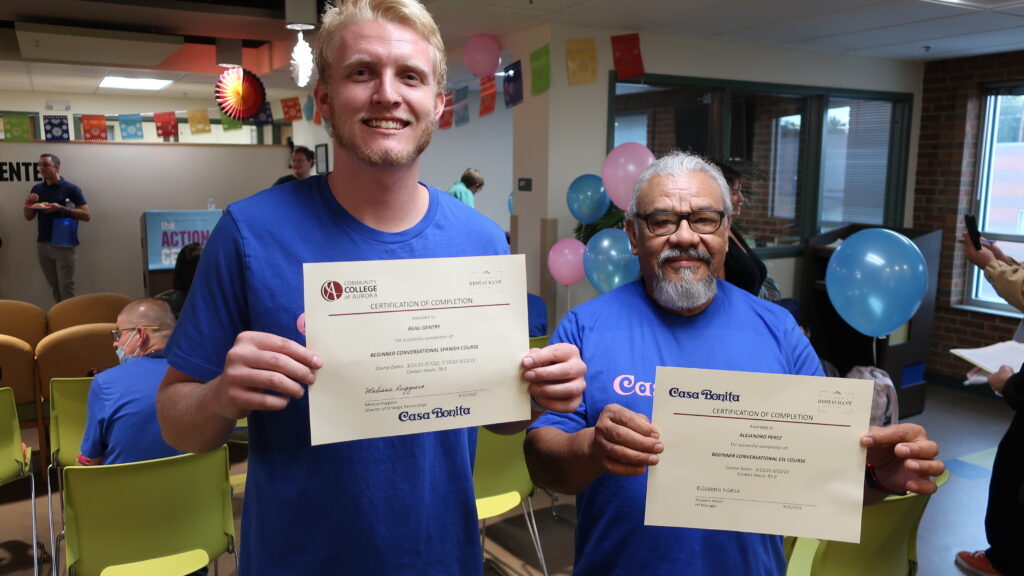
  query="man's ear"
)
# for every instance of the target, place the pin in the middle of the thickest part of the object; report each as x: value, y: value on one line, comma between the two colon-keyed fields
x: 323, y: 101
x: 438, y: 106
x: 630, y: 227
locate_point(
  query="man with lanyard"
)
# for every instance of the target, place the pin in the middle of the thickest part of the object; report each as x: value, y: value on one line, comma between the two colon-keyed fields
x: 121, y: 425
x: 52, y: 199
x: 398, y: 505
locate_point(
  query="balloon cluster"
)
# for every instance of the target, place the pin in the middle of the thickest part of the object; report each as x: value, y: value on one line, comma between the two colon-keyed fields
x: 607, y: 259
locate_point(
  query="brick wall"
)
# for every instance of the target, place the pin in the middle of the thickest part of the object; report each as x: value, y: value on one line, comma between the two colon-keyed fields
x: 951, y: 115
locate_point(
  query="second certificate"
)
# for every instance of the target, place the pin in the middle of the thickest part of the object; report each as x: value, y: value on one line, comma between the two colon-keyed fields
x: 415, y: 345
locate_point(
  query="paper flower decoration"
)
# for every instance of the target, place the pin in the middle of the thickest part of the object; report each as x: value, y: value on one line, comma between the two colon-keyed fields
x: 302, y: 62
x: 240, y: 93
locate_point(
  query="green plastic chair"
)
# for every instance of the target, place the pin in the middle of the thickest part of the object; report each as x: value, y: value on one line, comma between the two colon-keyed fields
x: 539, y: 341
x: 888, y: 542
x: 15, y: 464
x: 502, y: 482
x: 69, y: 399
x: 170, y: 516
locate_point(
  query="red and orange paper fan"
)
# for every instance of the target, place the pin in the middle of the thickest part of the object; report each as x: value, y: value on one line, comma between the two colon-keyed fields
x: 240, y: 93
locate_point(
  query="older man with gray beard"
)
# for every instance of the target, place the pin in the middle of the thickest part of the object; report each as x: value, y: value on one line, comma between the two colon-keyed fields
x: 677, y: 314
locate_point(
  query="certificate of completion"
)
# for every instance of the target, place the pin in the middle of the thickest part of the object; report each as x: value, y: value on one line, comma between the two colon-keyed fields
x: 416, y: 345
x: 766, y: 453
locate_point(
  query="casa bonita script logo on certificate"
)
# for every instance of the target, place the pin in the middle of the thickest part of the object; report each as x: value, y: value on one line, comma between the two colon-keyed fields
x: 765, y: 453
x: 416, y: 345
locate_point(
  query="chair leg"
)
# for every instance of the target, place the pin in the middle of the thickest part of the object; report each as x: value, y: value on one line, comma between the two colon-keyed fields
x: 54, y: 552
x: 531, y: 527
x: 35, y: 527
x: 554, y: 508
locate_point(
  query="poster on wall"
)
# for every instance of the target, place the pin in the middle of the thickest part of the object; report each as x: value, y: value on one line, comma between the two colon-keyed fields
x: 166, y: 232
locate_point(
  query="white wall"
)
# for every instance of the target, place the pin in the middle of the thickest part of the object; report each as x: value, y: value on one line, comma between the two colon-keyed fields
x: 119, y: 182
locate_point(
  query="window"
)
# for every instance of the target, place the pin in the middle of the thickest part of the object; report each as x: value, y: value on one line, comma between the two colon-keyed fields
x: 813, y: 158
x: 1000, y: 207
x: 855, y: 160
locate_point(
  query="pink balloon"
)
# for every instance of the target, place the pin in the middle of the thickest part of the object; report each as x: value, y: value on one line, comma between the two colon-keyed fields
x: 482, y: 54
x: 621, y: 169
x: 565, y: 261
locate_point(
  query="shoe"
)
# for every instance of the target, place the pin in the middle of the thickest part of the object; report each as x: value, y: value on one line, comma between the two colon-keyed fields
x: 976, y: 563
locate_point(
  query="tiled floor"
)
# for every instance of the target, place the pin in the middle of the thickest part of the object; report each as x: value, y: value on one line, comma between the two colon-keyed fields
x: 967, y: 426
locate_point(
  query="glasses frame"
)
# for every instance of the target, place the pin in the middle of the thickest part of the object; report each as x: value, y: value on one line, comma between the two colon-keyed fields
x: 116, y: 332
x: 683, y: 216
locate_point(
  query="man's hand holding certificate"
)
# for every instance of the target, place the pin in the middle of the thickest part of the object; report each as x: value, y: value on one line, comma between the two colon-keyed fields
x: 416, y: 345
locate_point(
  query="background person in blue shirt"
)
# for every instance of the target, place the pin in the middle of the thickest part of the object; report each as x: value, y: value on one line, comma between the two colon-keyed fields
x: 121, y: 425
x: 51, y: 199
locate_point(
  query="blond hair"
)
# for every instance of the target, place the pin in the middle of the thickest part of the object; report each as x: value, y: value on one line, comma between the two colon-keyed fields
x: 408, y: 13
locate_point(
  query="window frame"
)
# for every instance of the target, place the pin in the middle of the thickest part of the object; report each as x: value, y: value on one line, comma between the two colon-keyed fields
x: 816, y: 109
x: 974, y: 276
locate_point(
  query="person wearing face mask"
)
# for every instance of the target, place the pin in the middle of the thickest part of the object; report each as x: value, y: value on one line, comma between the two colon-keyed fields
x: 121, y: 425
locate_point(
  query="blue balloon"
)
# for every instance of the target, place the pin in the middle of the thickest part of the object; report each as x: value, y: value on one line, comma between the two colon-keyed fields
x: 587, y: 199
x: 511, y: 203
x: 876, y: 281
x: 608, y: 260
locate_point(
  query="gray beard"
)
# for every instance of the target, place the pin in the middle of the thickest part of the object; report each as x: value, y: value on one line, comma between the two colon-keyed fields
x: 687, y: 293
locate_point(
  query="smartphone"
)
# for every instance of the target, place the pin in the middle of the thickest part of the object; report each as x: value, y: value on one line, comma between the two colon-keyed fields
x: 972, y: 230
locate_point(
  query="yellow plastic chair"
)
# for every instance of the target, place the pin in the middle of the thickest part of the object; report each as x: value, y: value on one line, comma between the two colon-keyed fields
x: 70, y: 353
x: 170, y: 516
x: 888, y: 542
x: 85, y: 309
x: 502, y: 482
x: 16, y: 463
x: 69, y: 399
x: 18, y: 361
x: 539, y: 341
x: 22, y: 320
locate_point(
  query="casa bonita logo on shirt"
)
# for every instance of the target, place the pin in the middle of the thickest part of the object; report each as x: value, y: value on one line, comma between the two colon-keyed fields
x: 333, y: 290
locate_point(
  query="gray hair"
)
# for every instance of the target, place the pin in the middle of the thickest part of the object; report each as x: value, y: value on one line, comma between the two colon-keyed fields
x: 677, y: 163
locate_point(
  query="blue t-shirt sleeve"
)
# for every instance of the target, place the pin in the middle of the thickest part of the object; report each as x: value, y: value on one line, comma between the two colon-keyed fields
x: 94, y: 444
x: 568, y: 331
x: 805, y: 359
x: 216, y: 309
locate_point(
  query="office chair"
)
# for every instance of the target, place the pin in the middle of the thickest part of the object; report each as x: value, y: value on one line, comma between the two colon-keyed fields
x: 22, y: 320
x: 85, y: 309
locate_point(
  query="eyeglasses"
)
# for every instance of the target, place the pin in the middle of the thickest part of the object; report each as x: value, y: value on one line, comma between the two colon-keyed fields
x: 116, y: 332
x: 665, y: 223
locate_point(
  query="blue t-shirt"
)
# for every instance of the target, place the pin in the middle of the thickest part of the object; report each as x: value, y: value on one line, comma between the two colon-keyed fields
x: 121, y: 425
x: 623, y: 336
x: 60, y: 192
x: 399, y: 505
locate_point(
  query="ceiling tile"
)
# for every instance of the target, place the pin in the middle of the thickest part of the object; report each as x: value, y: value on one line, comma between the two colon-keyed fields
x: 927, y: 32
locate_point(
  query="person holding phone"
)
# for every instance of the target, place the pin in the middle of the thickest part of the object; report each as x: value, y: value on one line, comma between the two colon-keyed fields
x: 1004, y: 273
x: 1003, y: 529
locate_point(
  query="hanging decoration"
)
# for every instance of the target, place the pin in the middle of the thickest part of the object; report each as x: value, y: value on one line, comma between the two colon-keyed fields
x: 302, y: 62
x: 131, y: 126
x: 199, y: 121
x: 166, y: 124
x: 291, y: 108
x: 629, y: 61
x: 488, y: 96
x: 94, y: 127
x: 581, y: 61
x: 55, y: 126
x: 240, y: 93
